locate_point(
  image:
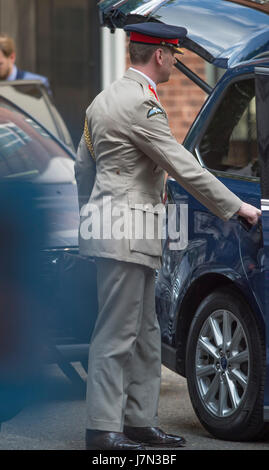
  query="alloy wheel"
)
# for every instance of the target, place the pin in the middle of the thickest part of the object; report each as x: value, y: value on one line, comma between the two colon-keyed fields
x: 222, y: 363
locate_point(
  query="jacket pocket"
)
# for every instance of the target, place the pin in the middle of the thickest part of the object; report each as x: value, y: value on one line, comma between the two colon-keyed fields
x: 146, y: 215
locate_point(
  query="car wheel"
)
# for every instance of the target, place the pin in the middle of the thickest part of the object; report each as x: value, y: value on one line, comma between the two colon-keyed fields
x: 225, y: 367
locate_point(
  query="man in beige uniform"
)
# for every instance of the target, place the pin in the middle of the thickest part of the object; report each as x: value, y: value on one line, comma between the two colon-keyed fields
x: 124, y: 154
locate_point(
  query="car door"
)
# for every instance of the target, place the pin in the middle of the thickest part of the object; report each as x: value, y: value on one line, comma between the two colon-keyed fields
x: 262, y: 106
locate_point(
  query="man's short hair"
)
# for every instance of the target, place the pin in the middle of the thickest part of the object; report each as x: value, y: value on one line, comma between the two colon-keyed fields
x: 7, y: 45
x: 141, y: 53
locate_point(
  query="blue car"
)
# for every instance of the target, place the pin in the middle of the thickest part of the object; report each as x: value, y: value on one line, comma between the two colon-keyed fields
x: 212, y: 292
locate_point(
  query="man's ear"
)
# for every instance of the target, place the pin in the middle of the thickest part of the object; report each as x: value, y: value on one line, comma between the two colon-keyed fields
x: 159, y: 56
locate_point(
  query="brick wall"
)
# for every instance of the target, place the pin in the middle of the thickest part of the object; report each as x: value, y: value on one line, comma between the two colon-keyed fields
x: 181, y: 98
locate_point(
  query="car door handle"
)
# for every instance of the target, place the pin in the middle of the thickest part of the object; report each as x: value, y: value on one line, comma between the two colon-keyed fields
x: 244, y: 223
x: 247, y: 226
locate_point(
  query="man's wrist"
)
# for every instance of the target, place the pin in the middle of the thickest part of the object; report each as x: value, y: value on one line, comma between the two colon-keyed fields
x: 240, y: 209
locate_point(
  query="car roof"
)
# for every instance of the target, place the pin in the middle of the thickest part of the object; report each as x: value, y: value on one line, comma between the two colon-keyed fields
x: 223, y: 32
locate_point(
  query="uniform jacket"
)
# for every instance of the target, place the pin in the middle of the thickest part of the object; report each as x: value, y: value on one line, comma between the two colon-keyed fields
x: 133, y: 149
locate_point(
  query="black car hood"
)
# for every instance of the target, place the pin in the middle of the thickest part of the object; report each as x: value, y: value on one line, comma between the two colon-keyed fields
x: 222, y: 32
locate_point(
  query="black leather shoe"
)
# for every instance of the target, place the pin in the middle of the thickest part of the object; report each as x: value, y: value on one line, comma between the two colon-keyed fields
x: 153, y: 437
x: 107, y: 440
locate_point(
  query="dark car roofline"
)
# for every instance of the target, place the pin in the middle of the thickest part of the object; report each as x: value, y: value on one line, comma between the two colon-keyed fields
x: 22, y: 82
x: 260, y: 61
x: 256, y: 4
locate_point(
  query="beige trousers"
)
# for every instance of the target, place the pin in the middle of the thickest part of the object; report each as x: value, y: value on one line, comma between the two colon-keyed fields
x: 124, y: 371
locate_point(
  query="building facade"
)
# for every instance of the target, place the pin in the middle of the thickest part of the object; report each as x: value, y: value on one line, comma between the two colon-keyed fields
x: 62, y: 39
x: 59, y: 39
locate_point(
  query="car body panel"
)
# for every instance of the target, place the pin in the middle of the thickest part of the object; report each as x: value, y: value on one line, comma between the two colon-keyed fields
x: 223, y: 33
x: 235, y: 34
x: 262, y: 93
x: 215, y: 247
x: 222, y: 252
x: 59, y: 204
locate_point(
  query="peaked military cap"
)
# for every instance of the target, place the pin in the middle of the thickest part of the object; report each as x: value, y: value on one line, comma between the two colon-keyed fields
x: 157, y: 33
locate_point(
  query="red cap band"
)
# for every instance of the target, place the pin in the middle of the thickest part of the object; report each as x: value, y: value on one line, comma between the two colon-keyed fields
x: 137, y: 37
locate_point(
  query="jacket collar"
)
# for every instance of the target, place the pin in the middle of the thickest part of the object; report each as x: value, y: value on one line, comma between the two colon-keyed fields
x: 133, y: 75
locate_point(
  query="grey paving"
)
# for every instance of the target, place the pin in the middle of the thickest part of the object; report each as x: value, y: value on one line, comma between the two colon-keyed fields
x: 57, y: 420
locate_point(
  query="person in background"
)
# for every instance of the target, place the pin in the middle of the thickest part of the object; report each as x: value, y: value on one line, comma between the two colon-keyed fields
x: 8, y: 69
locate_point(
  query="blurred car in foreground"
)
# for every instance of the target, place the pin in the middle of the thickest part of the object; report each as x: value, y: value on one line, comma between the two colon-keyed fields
x: 47, y: 292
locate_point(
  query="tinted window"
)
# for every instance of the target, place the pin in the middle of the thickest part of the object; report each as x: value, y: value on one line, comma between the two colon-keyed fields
x: 230, y: 142
x: 32, y: 98
x: 28, y: 152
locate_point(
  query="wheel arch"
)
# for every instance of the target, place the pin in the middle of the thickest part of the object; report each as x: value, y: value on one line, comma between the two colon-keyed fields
x: 196, y: 293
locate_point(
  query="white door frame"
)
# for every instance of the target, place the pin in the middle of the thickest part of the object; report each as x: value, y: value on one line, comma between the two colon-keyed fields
x: 113, y: 55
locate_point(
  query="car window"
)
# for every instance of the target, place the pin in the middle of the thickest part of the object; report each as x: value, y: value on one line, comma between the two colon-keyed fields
x: 33, y: 99
x: 230, y: 141
x: 28, y: 152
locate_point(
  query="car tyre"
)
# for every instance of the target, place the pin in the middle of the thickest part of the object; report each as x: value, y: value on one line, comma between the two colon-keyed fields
x: 225, y: 367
